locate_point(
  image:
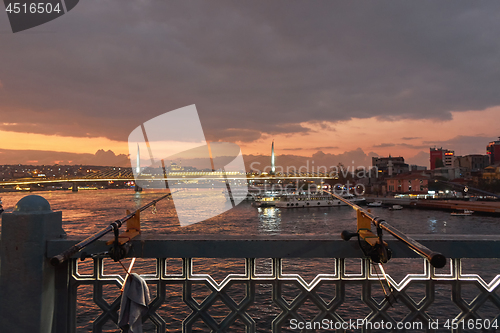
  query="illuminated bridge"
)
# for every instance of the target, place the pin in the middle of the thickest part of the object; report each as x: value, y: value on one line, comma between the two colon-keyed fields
x: 126, y: 175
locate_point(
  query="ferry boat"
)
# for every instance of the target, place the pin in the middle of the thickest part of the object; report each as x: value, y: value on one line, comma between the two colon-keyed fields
x: 465, y: 212
x: 305, y: 200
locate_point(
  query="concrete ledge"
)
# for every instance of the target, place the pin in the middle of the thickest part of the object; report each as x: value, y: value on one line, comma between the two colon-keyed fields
x: 286, y: 246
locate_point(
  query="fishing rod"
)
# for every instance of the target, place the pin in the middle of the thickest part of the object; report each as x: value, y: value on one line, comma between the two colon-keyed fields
x: 374, y: 247
x: 380, y: 253
x: 132, y: 231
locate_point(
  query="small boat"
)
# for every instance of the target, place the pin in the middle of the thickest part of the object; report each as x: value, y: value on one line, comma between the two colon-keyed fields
x: 353, y: 199
x: 465, y: 212
x: 396, y: 207
x: 375, y: 204
x: 1, y: 207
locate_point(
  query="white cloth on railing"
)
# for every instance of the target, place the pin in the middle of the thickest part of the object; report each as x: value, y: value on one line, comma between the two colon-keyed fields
x: 134, y: 304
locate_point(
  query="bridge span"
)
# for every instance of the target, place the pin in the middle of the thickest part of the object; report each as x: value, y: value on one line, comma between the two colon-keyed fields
x: 216, y: 176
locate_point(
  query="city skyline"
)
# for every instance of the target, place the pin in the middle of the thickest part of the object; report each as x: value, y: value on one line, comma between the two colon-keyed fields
x: 355, y: 82
x: 109, y: 158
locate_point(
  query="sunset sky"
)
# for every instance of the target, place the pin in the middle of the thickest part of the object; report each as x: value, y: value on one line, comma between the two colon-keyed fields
x: 349, y: 79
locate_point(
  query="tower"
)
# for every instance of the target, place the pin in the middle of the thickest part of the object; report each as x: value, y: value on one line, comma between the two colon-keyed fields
x: 138, y: 162
x: 272, y: 159
x: 440, y: 157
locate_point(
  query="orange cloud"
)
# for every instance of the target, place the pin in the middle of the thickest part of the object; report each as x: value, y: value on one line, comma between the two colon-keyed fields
x: 31, y: 141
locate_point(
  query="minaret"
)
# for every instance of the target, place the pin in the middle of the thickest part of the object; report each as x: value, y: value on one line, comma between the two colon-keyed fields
x: 272, y: 159
x: 138, y: 161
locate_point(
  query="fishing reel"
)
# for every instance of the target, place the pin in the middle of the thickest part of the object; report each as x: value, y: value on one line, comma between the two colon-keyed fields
x: 379, y: 252
x: 373, y: 246
x: 117, y: 252
x: 121, y: 242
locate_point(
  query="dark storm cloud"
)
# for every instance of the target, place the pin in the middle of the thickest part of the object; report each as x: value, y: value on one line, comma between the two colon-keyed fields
x: 313, y: 148
x: 384, y: 145
x: 254, y: 66
x: 406, y: 145
x: 464, y: 144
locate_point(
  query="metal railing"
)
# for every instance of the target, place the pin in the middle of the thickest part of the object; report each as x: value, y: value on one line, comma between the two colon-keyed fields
x: 293, y: 298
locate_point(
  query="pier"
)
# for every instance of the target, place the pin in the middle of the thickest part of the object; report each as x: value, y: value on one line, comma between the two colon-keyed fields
x: 486, y: 207
x: 489, y: 207
x: 31, y: 288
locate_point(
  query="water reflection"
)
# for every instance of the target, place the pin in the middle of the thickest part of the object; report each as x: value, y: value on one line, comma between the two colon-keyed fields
x: 432, y: 225
x: 86, y: 212
x: 138, y: 198
x: 269, y: 220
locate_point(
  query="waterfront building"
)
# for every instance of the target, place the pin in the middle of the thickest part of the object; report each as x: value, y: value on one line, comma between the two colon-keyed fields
x: 414, y: 167
x: 440, y: 157
x: 413, y: 183
x: 472, y: 163
x: 176, y: 167
x: 388, y: 166
x: 493, y: 151
x: 451, y: 173
x: 492, y: 172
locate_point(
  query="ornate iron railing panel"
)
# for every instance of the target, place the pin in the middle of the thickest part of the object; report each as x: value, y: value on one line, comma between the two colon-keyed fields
x: 309, y: 295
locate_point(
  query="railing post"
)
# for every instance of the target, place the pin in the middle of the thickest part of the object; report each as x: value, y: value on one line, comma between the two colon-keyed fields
x: 27, y: 280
